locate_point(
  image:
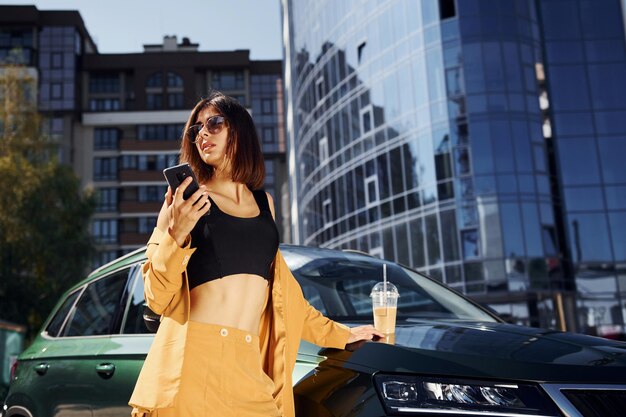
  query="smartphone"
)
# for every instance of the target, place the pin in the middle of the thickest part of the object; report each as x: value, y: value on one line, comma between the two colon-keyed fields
x: 177, y: 174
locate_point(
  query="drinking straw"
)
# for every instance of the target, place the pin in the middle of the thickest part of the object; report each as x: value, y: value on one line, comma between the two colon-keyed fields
x: 385, y: 283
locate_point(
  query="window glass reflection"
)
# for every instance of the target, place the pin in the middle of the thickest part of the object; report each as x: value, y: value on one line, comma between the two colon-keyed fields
x: 617, y: 222
x: 600, y: 19
x: 564, y: 52
x: 589, y: 236
x: 573, y: 123
x: 484, y: 184
x: 449, y: 236
x: 495, y: 276
x: 491, y: 233
x: 502, y: 146
x: 569, y: 87
x: 432, y: 239
x: 583, y: 198
x: 494, y: 75
x: 532, y: 229
x: 610, y: 122
x: 473, y: 66
x: 560, y: 18
x: 416, y: 231
x: 512, y: 230
x: 608, y: 85
x: 616, y: 197
x: 612, y: 152
x: 482, y: 153
x: 469, y: 242
x: 575, y: 153
x: 605, y: 50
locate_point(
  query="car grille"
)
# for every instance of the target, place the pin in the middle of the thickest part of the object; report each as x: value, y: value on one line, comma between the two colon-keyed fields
x: 598, y: 403
x: 589, y: 400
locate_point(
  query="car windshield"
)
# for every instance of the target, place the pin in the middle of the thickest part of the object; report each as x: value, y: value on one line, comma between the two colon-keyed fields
x: 339, y: 284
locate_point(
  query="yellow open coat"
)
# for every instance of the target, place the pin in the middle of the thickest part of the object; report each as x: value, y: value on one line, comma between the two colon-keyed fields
x: 286, y: 319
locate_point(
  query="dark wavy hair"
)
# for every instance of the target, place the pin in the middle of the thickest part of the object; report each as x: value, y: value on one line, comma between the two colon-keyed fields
x: 243, y: 150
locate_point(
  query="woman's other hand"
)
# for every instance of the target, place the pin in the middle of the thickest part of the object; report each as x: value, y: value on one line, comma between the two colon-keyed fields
x: 363, y: 333
x: 182, y: 215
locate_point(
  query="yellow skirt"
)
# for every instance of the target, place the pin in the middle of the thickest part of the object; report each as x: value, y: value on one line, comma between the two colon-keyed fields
x: 221, y: 376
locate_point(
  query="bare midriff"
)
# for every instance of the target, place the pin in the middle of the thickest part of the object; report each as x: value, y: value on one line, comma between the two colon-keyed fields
x: 233, y: 301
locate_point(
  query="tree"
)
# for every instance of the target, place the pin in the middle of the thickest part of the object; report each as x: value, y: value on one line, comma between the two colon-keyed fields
x: 44, y: 216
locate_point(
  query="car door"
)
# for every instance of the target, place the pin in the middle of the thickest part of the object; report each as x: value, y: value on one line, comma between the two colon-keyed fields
x: 66, y: 372
x: 124, y: 352
x: 44, y: 383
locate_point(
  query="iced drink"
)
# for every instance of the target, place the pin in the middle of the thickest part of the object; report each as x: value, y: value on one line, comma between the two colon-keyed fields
x: 385, y: 319
x: 385, y: 307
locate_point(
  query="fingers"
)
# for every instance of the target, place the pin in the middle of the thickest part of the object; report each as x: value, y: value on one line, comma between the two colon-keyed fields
x: 168, y: 196
x: 367, y: 332
x: 199, y: 196
x: 180, y: 190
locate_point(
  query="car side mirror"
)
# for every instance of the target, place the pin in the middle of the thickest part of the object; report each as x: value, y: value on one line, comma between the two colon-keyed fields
x: 151, y: 319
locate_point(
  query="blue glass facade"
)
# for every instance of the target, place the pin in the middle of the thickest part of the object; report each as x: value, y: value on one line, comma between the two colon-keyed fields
x: 424, y: 132
x: 585, y: 56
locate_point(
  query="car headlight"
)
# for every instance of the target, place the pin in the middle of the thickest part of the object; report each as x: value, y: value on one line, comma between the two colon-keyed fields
x: 422, y: 395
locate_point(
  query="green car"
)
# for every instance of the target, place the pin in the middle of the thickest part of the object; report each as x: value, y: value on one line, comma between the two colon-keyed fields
x: 89, y: 352
x: 450, y: 356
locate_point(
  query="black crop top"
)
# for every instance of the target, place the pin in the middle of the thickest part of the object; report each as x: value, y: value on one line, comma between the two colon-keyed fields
x: 228, y: 245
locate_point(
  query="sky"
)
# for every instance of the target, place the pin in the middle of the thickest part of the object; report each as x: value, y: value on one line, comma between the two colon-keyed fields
x: 120, y: 26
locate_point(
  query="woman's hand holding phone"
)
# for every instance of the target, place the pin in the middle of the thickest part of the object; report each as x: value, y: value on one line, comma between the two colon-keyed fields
x: 182, y: 215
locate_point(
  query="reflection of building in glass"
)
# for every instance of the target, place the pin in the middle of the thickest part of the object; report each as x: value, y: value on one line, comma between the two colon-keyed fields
x: 439, y: 134
x: 119, y: 117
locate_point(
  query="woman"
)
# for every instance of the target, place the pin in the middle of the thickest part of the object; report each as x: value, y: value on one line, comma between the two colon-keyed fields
x: 232, y: 315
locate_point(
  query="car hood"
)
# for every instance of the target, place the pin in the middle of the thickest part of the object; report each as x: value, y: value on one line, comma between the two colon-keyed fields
x: 491, y: 350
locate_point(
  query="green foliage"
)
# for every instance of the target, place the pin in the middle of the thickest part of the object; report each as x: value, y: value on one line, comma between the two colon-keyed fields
x: 44, y: 216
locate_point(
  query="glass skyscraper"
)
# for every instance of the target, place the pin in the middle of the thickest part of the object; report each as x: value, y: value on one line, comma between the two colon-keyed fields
x: 477, y: 141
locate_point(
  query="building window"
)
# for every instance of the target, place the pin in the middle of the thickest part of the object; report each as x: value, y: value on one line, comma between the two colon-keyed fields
x: 107, y: 199
x: 327, y: 211
x: 371, y: 190
x: 104, y: 230
x: 447, y: 9
x: 360, y: 50
x: 104, y: 104
x: 151, y: 193
x: 129, y: 161
x: 149, y: 162
x: 319, y: 89
x: 175, y: 100
x: 56, y: 60
x: 56, y: 90
x: 323, y: 150
x: 469, y: 241
x: 269, y: 173
x: 104, y: 169
x: 267, y: 135
x: 104, y: 83
x: 267, y: 106
x: 155, y: 80
x: 366, y: 119
x: 147, y: 224
x: 154, y: 101
x: 105, y: 138
x: 228, y: 80
x: 160, y: 132
x: 174, y: 80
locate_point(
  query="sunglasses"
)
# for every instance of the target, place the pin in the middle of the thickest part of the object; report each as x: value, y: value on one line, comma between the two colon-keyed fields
x: 213, y: 125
